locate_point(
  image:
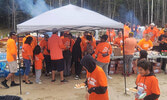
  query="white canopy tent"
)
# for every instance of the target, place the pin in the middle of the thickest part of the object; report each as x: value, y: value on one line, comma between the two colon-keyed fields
x: 66, y: 18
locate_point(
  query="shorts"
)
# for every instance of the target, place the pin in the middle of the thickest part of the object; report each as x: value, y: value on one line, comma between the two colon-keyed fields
x: 57, y: 65
x: 12, y: 66
x: 27, y: 64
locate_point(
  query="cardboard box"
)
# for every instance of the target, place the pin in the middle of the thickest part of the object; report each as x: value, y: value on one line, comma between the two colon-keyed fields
x: 117, y: 51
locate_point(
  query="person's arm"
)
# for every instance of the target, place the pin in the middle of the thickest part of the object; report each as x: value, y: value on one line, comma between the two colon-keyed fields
x: 98, y: 90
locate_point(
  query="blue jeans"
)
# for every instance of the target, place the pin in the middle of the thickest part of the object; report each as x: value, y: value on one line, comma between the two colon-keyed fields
x: 27, y: 64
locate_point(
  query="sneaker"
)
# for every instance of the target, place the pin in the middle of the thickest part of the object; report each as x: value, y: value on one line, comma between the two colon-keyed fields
x: 109, y: 77
x: 76, y: 77
x: 14, y: 84
x: 63, y: 81
x: 4, y: 84
x: 39, y: 82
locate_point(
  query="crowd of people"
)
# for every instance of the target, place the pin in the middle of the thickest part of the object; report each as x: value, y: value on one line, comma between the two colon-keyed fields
x: 60, y: 53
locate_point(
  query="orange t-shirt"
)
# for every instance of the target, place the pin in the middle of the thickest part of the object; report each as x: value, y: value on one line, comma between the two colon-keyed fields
x: 112, y: 35
x: 56, y: 46
x: 103, y: 48
x: 95, y: 79
x: 152, y: 32
x: 161, y: 32
x: 148, y: 84
x: 33, y: 43
x: 27, y: 51
x: 84, y: 42
x: 127, y: 29
x: 145, y: 44
x: 38, y: 61
x: 44, y: 45
x: 130, y: 44
x: 118, y: 41
x: 68, y: 42
x: 11, y: 50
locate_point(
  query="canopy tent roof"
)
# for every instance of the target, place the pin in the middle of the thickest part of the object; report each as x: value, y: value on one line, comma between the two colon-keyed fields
x: 66, y: 18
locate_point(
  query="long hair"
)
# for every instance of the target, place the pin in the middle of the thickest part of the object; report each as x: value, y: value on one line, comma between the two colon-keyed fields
x: 28, y: 40
x: 36, y: 50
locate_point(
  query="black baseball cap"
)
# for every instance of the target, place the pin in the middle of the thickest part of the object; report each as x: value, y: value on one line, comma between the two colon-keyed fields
x: 12, y: 33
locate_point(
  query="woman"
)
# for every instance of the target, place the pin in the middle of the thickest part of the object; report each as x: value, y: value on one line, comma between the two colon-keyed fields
x: 27, y: 54
x: 146, y: 82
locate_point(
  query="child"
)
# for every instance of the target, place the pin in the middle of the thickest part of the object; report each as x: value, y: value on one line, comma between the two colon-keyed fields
x: 146, y: 82
x: 38, y: 56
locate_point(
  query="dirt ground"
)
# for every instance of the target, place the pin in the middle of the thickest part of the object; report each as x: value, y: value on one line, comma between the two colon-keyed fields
x: 66, y: 91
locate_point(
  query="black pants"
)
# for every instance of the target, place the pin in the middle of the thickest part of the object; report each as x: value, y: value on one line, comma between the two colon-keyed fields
x: 33, y: 68
x: 48, y: 63
x: 78, y: 68
x: 163, y: 67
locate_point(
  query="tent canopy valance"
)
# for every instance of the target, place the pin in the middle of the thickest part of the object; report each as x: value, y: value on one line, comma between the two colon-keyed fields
x: 66, y: 18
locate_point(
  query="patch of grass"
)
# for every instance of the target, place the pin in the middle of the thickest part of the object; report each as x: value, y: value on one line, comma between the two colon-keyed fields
x: 4, y: 32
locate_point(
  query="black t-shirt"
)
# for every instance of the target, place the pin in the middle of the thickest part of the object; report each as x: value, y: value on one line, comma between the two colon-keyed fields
x: 164, y: 45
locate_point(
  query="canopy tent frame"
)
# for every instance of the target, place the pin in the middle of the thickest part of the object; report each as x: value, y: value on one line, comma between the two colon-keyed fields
x: 83, y: 27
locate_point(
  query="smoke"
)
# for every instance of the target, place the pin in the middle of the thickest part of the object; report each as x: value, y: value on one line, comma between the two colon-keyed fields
x: 127, y: 16
x: 33, y: 8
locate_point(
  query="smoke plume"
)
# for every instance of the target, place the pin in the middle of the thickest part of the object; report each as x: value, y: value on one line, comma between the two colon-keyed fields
x: 33, y: 8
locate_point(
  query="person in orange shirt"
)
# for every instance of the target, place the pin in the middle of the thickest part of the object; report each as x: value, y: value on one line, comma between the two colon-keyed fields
x: 67, y: 54
x: 96, y: 79
x: 111, y: 35
x: 11, y: 58
x: 118, y: 41
x: 102, y: 54
x: 146, y: 82
x: 161, y: 32
x: 33, y: 44
x: 88, y: 43
x: 129, y: 46
x: 34, y: 41
x: 152, y: 31
x: 56, y: 47
x: 27, y: 54
x: 127, y: 29
x: 38, y: 57
x: 146, y: 43
x: 44, y: 46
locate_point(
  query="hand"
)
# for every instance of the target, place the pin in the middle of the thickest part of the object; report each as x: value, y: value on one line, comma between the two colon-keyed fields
x: 31, y: 62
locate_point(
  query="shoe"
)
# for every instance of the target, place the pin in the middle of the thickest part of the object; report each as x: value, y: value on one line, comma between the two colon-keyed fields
x: 109, y: 77
x: 76, y: 77
x: 53, y: 80
x: 63, y: 81
x: 4, y: 84
x: 29, y: 82
x: 24, y: 81
x: 14, y: 84
x: 39, y: 82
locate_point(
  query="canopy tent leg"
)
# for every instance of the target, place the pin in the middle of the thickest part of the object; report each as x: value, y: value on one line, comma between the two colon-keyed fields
x: 18, y: 48
x: 124, y: 60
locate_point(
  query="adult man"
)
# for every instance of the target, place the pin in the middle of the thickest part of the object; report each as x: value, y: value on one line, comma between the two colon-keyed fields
x: 118, y: 41
x: 163, y: 46
x: 12, y: 60
x: 111, y: 35
x: 56, y: 46
x: 103, y: 52
x: 44, y: 46
x: 130, y: 44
